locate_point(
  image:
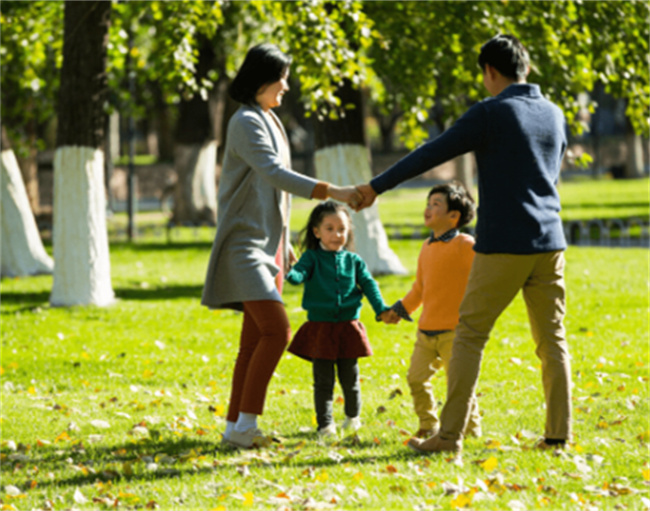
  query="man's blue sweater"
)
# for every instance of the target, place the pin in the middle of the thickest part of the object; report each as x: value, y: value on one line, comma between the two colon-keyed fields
x: 519, y: 139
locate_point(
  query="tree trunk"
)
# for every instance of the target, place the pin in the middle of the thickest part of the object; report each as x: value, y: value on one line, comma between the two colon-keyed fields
x: 195, y: 153
x: 465, y: 170
x: 22, y: 250
x: 28, y: 166
x: 82, y: 270
x: 634, y: 153
x: 343, y: 158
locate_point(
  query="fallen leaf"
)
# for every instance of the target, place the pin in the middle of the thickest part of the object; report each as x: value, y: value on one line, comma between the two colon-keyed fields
x: 79, y: 497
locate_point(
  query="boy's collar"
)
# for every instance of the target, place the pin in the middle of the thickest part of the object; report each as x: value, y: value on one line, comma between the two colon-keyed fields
x: 445, y: 237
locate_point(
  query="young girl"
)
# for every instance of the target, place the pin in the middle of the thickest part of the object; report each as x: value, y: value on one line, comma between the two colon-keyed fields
x: 335, y: 281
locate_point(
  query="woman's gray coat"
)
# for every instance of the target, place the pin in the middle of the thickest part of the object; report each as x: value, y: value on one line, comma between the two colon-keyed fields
x: 249, y: 223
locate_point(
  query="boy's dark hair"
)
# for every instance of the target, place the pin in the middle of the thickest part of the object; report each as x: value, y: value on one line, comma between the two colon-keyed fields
x: 507, y: 55
x: 458, y: 199
x: 264, y: 63
x: 308, y: 241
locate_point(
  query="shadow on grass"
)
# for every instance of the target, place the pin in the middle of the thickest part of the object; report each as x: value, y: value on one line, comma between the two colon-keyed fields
x: 109, y: 463
x: 30, y: 300
x: 162, y: 246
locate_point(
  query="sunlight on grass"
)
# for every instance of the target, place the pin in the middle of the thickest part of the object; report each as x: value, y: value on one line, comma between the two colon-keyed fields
x: 125, y: 405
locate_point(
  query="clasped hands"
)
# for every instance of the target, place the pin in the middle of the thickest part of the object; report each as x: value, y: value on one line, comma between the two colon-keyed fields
x: 357, y: 197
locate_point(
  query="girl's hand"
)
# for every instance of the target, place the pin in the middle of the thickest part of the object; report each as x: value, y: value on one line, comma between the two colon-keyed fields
x: 389, y: 317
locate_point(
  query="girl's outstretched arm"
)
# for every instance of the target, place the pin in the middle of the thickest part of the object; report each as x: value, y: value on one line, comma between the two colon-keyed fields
x: 302, y: 270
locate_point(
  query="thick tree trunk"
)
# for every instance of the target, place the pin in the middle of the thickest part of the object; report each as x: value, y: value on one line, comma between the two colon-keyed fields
x: 23, y: 253
x: 82, y: 270
x: 195, y: 153
x: 343, y: 158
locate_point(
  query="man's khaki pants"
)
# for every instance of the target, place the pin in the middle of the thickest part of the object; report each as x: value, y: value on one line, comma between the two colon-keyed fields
x: 493, y: 283
x: 429, y: 354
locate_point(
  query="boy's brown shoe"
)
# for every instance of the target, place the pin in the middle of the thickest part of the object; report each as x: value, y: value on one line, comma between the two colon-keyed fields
x: 435, y: 444
x: 424, y: 433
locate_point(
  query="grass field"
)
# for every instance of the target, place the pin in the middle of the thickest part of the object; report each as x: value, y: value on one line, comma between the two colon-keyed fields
x: 122, y: 407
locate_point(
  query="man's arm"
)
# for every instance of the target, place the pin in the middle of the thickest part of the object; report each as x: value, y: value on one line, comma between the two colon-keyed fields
x: 464, y: 136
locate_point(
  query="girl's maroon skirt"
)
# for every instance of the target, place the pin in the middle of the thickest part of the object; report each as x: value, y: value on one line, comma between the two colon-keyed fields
x: 330, y: 341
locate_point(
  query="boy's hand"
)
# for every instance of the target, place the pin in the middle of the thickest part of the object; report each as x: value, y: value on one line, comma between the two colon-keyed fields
x: 389, y: 317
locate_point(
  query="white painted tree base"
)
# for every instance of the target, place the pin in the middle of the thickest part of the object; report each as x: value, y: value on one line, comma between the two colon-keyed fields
x: 22, y: 251
x: 349, y: 164
x: 82, y: 274
x: 195, y: 167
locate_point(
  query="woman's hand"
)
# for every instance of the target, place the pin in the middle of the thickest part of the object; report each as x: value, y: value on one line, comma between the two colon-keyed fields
x: 293, y: 259
x: 348, y: 194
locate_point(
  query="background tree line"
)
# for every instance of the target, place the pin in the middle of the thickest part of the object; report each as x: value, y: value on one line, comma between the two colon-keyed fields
x: 171, y: 62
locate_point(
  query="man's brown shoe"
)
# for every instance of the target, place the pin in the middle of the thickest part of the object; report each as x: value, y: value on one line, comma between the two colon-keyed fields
x: 435, y: 444
x: 543, y: 446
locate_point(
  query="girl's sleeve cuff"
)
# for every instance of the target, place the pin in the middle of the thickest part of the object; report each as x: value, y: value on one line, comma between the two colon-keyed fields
x: 320, y: 191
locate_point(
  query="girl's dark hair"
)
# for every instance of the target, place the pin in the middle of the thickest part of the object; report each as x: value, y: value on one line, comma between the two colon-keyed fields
x: 507, y: 55
x: 458, y: 199
x: 264, y: 63
x: 308, y: 241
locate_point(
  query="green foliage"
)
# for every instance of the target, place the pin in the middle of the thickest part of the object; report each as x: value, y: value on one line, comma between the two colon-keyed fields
x: 31, y: 45
x: 124, y: 406
x: 428, y: 52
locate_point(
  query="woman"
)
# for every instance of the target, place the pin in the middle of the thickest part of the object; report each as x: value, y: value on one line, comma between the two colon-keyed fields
x: 251, y: 249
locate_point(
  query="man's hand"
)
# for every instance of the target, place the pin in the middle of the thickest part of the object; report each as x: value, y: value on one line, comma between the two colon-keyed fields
x: 368, y: 196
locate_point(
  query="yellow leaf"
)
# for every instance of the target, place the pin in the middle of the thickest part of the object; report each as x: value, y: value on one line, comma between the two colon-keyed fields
x: 147, y: 373
x: 219, y: 508
x: 8, y: 507
x: 493, y: 444
x: 63, y: 437
x: 461, y: 500
x: 358, y: 476
x: 2, y: 371
x: 32, y: 390
x: 322, y: 477
x: 248, y: 499
x: 13, y: 365
x: 490, y: 464
x: 85, y: 355
x: 646, y: 474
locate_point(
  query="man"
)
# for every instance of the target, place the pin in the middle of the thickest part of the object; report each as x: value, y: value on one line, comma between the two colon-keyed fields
x: 519, y: 139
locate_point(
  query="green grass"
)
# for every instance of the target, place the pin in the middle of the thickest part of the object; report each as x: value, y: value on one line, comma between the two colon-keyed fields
x: 156, y: 368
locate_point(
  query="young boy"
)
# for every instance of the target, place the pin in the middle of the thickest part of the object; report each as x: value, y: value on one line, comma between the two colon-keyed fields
x: 443, y: 269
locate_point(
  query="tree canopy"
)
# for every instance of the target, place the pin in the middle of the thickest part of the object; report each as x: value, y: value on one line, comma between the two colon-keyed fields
x: 411, y: 55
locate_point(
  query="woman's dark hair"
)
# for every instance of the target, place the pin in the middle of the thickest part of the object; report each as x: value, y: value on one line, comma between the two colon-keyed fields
x: 507, y: 55
x: 264, y: 63
x: 458, y: 199
x: 308, y: 241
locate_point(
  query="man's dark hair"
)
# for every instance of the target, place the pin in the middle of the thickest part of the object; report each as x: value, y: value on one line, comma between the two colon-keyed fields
x: 458, y: 199
x: 264, y: 64
x: 507, y: 55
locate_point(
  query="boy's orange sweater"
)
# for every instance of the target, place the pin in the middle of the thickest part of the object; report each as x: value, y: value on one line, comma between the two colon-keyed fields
x: 443, y: 270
